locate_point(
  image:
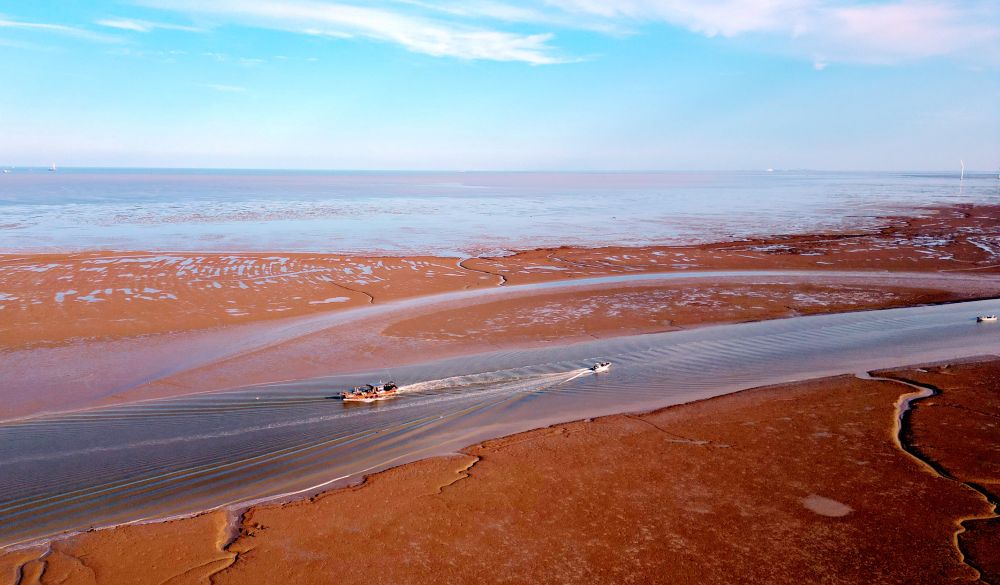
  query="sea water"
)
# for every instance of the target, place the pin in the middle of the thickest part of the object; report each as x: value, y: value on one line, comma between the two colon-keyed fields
x: 446, y: 213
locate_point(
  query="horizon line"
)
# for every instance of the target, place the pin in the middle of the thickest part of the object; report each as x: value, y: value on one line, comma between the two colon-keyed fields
x: 47, y: 168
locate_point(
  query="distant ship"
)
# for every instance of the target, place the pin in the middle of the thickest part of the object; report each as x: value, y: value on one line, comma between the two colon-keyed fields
x: 52, y: 167
x: 370, y: 392
x: 986, y: 319
x: 6, y: 171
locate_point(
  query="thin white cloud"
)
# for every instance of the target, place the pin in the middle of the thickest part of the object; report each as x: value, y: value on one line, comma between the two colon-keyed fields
x: 847, y: 31
x: 490, y: 10
x: 417, y: 33
x: 827, y: 31
x: 59, y: 29
x: 908, y: 30
x: 125, y: 24
x: 709, y: 17
x: 143, y: 26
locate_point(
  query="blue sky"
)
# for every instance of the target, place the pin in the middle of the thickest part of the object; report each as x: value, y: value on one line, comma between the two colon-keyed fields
x: 505, y: 84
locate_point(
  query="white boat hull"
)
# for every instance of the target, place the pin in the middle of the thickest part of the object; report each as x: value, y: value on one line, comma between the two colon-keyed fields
x: 599, y: 368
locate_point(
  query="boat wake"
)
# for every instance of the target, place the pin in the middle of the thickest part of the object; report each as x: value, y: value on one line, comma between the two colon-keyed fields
x: 455, y: 388
x: 499, y: 379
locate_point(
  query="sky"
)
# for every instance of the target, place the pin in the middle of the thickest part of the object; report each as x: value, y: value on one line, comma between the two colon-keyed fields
x: 501, y: 84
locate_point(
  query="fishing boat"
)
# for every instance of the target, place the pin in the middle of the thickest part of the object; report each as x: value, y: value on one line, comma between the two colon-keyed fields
x: 370, y: 392
x: 600, y: 367
x: 986, y: 319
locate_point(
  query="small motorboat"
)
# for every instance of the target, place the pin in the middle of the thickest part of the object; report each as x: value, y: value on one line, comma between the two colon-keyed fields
x: 986, y: 318
x: 600, y: 367
x: 370, y: 392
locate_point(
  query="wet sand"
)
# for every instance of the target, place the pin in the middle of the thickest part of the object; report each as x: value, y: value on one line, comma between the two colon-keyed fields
x: 974, y: 416
x: 637, y: 309
x: 957, y: 238
x: 796, y: 483
x: 54, y: 299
